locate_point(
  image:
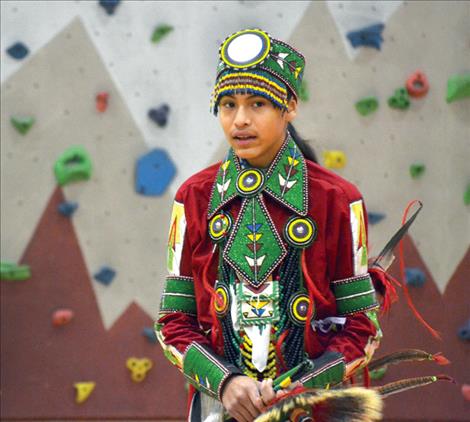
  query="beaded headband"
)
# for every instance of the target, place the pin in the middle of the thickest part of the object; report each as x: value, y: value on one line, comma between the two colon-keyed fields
x: 253, y: 62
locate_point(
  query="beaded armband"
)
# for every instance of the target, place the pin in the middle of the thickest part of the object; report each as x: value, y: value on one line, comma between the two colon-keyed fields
x: 328, y: 370
x: 178, y: 296
x: 354, y: 294
x: 207, y: 371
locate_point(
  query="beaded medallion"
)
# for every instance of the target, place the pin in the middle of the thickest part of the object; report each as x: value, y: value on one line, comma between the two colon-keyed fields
x: 258, y: 306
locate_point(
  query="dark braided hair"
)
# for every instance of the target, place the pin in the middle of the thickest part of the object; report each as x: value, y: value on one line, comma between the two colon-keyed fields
x: 303, y: 145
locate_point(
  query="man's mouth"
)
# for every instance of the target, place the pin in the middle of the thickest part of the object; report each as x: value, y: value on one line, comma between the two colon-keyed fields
x: 244, y: 138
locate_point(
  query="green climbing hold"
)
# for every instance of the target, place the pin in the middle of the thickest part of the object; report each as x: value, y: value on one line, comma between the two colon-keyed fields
x: 74, y: 164
x: 367, y: 105
x: 400, y: 99
x: 466, y: 195
x: 160, y: 32
x: 378, y: 374
x: 13, y: 272
x: 303, y: 92
x: 22, y: 123
x: 417, y: 170
x: 458, y: 87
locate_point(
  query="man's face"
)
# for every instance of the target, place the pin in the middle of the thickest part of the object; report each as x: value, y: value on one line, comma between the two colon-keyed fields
x: 254, y: 127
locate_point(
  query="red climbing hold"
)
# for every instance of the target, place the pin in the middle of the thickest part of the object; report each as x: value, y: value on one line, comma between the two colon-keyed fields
x: 466, y: 391
x: 62, y: 317
x: 102, y: 101
x: 417, y: 85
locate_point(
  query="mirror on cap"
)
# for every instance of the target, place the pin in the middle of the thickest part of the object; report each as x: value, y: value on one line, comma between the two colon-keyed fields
x: 246, y: 48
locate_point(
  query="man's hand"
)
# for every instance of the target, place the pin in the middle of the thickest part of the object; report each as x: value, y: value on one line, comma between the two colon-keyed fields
x: 244, y: 398
x: 241, y: 398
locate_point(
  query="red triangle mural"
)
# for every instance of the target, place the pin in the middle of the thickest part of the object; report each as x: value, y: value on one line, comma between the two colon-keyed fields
x: 40, y: 362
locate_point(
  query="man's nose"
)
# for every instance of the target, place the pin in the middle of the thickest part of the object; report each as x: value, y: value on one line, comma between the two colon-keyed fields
x: 242, y: 117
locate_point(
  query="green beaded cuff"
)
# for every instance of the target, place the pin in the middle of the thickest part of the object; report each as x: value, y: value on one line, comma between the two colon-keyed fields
x: 354, y: 294
x: 329, y: 370
x: 207, y: 371
x: 178, y: 296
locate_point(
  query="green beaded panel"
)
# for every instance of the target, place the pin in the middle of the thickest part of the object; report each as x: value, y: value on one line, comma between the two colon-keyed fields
x: 287, y: 178
x: 203, y: 370
x: 254, y: 248
x: 355, y: 294
x: 224, y: 188
x: 178, y: 296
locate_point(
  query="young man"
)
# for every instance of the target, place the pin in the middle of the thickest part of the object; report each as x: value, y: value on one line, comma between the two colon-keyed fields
x: 267, y: 253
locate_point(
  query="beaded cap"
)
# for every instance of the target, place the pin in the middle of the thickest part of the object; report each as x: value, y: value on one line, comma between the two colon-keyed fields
x: 253, y: 62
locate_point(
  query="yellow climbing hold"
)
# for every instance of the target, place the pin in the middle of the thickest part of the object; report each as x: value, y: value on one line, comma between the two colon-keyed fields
x: 334, y: 159
x: 139, y: 368
x: 84, y: 390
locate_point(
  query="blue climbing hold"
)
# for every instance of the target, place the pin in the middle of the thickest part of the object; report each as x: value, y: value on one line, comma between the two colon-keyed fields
x: 105, y: 275
x: 109, y: 5
x: 415, y: 277
x: 464, y: 332
x: 154, y: 172
x: 18, y: 51
x: 149, y: 332
x: 370, y: 36
x: 160, y: 115
x: 67, y: 208
x: 375, y: 217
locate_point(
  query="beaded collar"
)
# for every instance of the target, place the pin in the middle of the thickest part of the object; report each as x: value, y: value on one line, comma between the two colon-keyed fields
x: 285, y: 180
x: 254, y: 247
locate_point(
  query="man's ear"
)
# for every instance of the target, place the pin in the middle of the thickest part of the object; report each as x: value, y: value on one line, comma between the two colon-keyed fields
x: 291, y: 109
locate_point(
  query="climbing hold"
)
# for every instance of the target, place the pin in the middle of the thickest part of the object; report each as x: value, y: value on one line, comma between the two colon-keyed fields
x: 303, y: 92
x: 13, y: 272
x: 160, y: 32
x: 399, y: 99
x: 334, y: 159
x: 378, y: 374
x: 375, y: 217
x: 417, y: 85
x: 417, y: 170
x: 62, y: 317
x: 22, y: 123
x: 105, y: 275
x: 149, y: 332
x: 367, y: 105
x: 415, y: 277
x: 139, y: 368
x: 154, y: 172
x: 466, y: 195
x: 84, y: 390
x: 370, y: 36
x: 74, y: 164
x: 160, y: 115
x: 464, y: 332
x: 109, y: 5
x: 102, y: 101
x: 466, y: 391
x: 458, y: 87
x: 67, y: 208
x: 18, y: 51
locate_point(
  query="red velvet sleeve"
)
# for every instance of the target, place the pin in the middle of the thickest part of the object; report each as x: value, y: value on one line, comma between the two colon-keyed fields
x: 179, y: 328
x: 358, y: 338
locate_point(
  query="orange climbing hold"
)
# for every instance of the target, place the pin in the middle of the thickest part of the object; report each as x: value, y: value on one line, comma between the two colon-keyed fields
x: 62, y: 317
x: 102, y: 101
x: 417, y: 85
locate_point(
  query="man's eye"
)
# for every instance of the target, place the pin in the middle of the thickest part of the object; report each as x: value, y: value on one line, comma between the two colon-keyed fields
x: 228, y: 104
x: 259, y: 104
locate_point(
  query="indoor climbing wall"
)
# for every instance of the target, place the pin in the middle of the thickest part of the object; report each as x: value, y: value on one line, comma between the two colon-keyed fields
x: 105, y: 111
